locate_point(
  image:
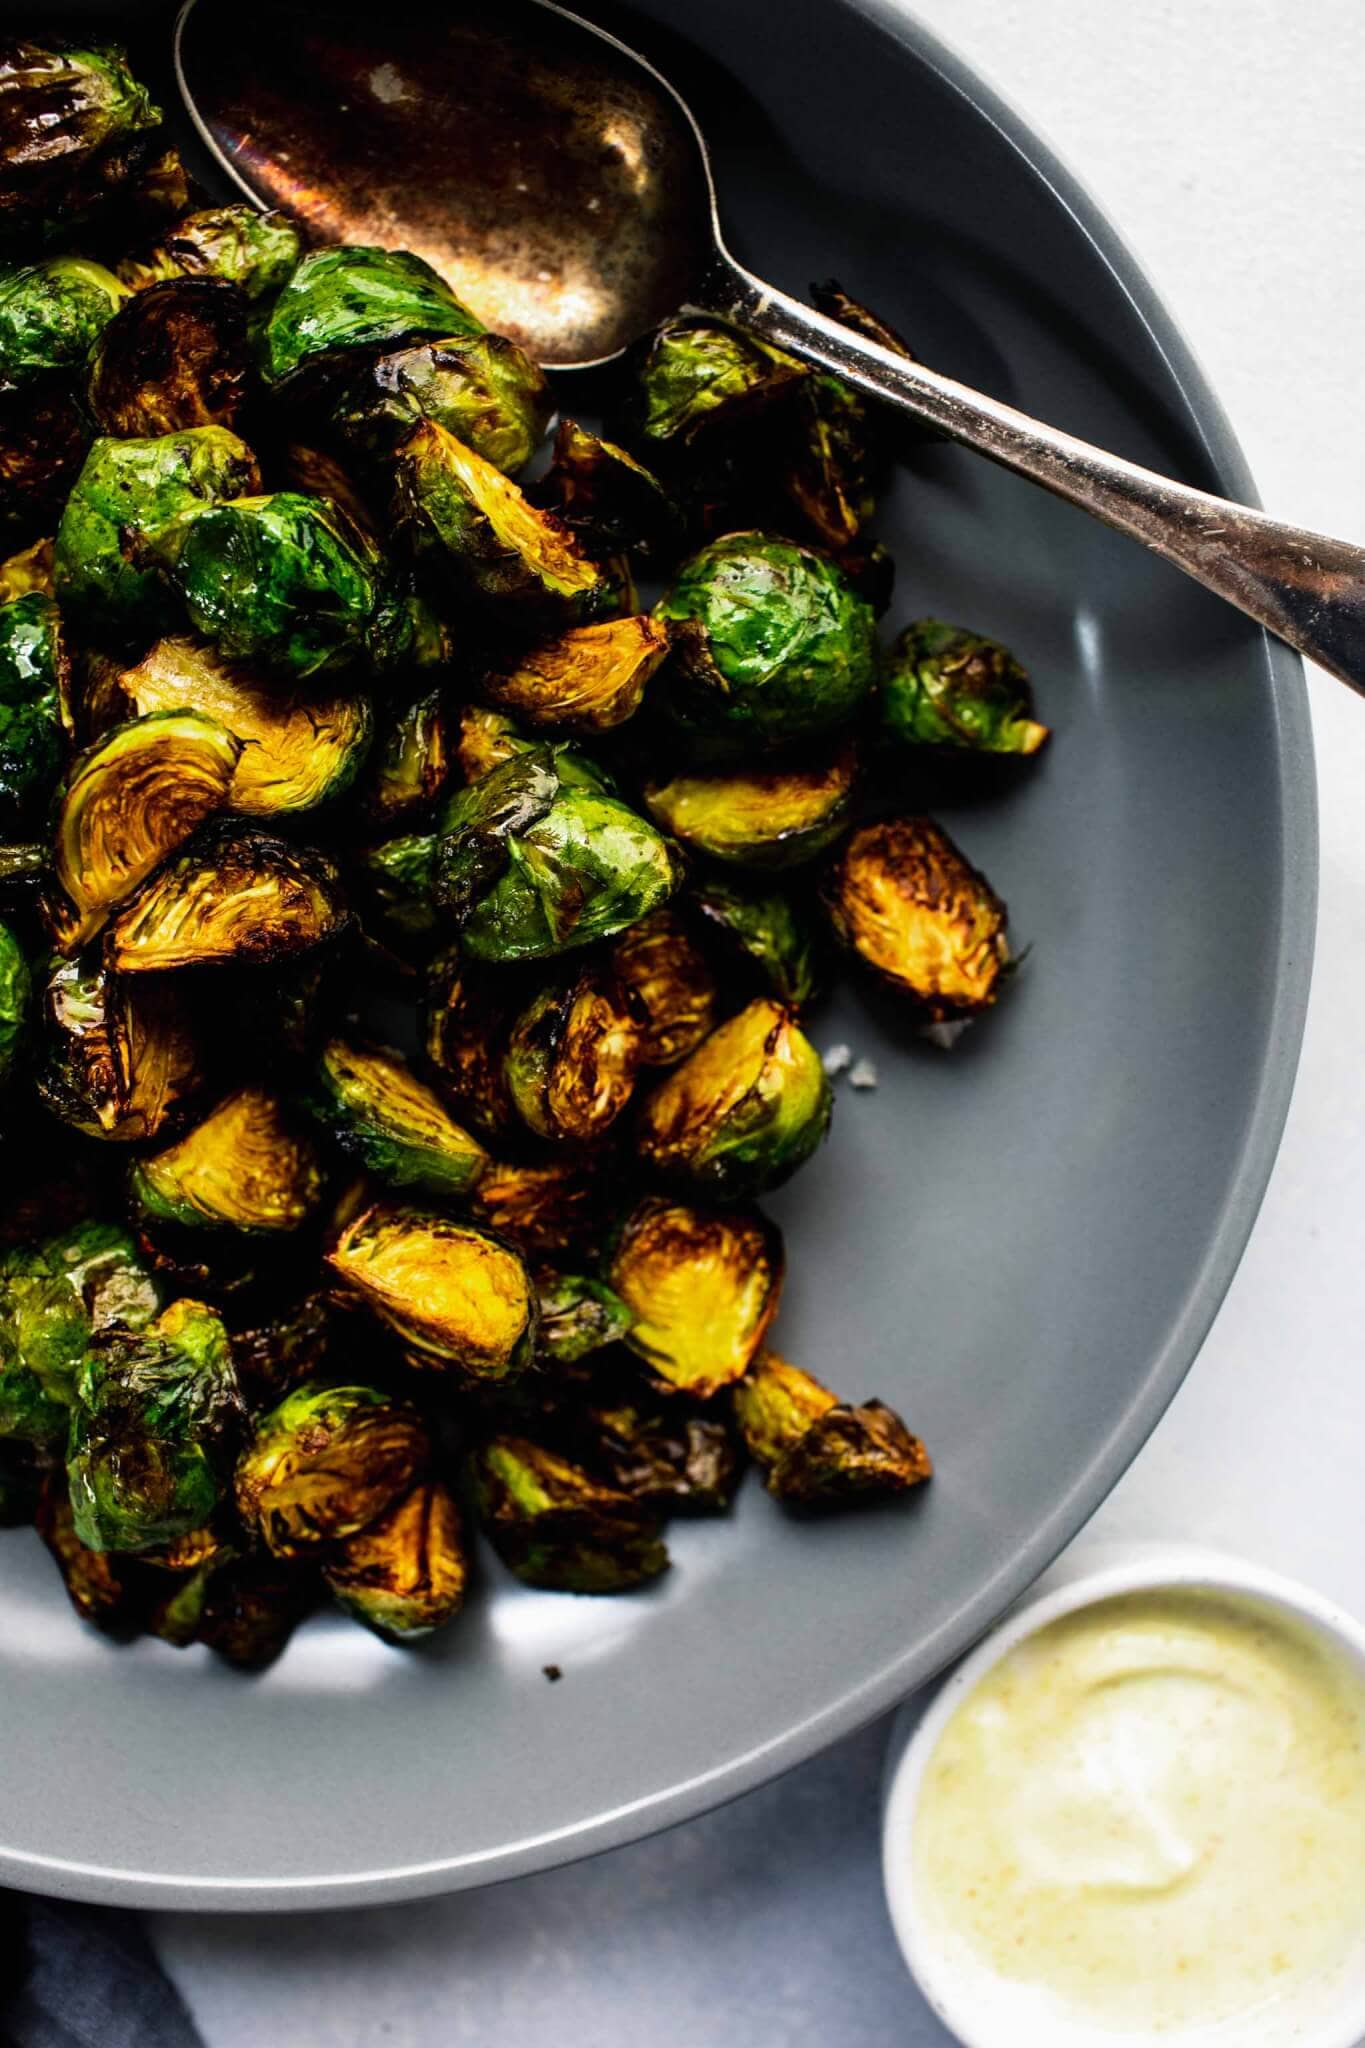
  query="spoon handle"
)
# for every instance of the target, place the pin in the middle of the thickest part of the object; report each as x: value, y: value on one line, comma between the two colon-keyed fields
x: 1305, y: 587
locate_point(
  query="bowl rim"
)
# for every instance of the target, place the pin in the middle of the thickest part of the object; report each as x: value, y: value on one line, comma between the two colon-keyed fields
x: 1109, y: 1573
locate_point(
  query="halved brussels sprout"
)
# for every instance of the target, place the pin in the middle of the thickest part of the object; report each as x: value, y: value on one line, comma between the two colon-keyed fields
x: 44, y: 435
x: 151, y: 1430
x: 404, y: 1575
x: 245, y: 1167
x: 904, y: 899
x: 350, y: 297
x: 656, y: 961
x: 290, y: 1346
x: 532, y: 861
x: 578, y: 1315
x: 703, y: 1286
x: 771, y: 643
x: 103, y: 1590
x: 483, y: 538
x: 817, y: 1451
x: 573, y: 1056
x: 126, y: 496
x: 134, y: 797
x: 612, y: 502
x: 325, y: 1463
x: 676, y: 1462
x: 547, y: 1208
x: 28, y: 571
x: 287, y: 583
x: 455, y: 1294
x: 233, y: 895
x: 255, y: 251
x: 175, y: 356
x: 121, y: 1057
x: 410, y: 761
x: 74, y: 124
x: 696, y: 376
x: 591, y: 679
x: 745, y: 1109
x: 487, y: 738
x: 760, y: 818
x: 554, y: 1525
x: 15, y: 990
x: 943, y: 686
x: 766, y: 932
x: 296, y: 752
x: 397, y: 877
x: 830, y: 464
x: 377, y: 1111
x: 51, y: 314
x: 34, y: 685
x: 480, y: 387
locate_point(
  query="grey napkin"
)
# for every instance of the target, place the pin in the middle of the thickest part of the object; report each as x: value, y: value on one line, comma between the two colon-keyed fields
x: 84, y: 1977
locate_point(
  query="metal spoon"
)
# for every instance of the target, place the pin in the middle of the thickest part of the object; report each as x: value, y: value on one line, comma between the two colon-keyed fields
x: 564, y: 189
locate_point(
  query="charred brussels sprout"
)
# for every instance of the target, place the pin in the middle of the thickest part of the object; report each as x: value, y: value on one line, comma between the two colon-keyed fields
x: 134, y: 797
x: 296, y: 752
x: 14, y: 1000
x: 578, y: 1315
x: 554, y: 1525
x: 817, y: 1451
x: 480, y: 387
x: 326, y: 1463
x: 591, y: 679
x: 121, y: 1057
x: 532, y: 863
x: 233, y: 895
x: 290, y: 1346
x: 456, y: 1295
x: 572, y: 1057
x: 377, y: 1111
x: 404, y: 1575
x: 33, y: 687
x: 255, y: 251
x: 759, y: 818
x: 548, y: 1209
x: 151, y: 1430
x: 703, y: 1287
x: 127, y: 494
x: 285, y: 581
x: 74, y: 129
x: 51, y: 314
x: 697, y: 376
x: 914, y: 910
x: 829, y: 470
x: 104, y: 1590
x: 766, y: 933
x: 674, y: 991
x: 245, y: 1167
x: 250, y: 1608
x: 44, y: 436
x: 176, y: 356
x: 480, y: 537
x: 53, y: 1297
x: 746, y: 1109
x: 771, y: 643
x: 674, y: 1461
x: 942, y: 686
x: 410, y: 762
x: 341, y: 299
x: 487, y: 738
x: 612, y: 502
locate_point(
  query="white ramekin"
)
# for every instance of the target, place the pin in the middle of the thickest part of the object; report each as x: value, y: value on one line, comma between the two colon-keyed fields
x: 1094, y: 1573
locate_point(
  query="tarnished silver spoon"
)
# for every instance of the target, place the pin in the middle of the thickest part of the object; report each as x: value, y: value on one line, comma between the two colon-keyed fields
x: 564, y: 189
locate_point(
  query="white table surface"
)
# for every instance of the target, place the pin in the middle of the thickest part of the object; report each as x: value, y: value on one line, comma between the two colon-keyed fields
x: 1226, y: 140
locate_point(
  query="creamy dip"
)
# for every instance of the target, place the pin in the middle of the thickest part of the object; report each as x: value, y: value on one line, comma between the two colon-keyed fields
x: 1150, y: 1818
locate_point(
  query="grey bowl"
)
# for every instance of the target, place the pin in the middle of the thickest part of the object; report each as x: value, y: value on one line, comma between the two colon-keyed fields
x: 1021, y: 1244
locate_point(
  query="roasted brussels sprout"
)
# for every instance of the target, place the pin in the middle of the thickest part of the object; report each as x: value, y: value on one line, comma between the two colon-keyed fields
x: 743, y: 1111
x: 285, y: 582
x: 674, y: 991
x: 234, y: 894
x: 127, y: 494
x: 480, y: 537
x: 134, y: 797
x: 104, y: 1590
x: 697, y: 375
x: 572, y: 1057
x: 44, y: 436
x: 121, y: 1058
x: 245, y: 1167
x: 74, y: 130
x: 817, y: 1451
x: 350, y: 297
x: 548, y: 1208
x: 554, y: 1525
x: 251, y: 1606
x: 296, y: 752
x: 51, y: 314
x: 578, y: 1315
x: 486, y: 739
x: 26, y: 572
x: 292, y: 1344
x: 591, y: 679
x: 703, y: 1286
x: 771, y: 644
x: 56, y: 1296
x: 672, y: 1460
x: 410, y: 762
x: 531, y: 863
x: 829, y: 470
x: 396, y: 878
x: 152, y: 1430
x: 764, y: 931
x: 33, y: 688
x: 904, y: 899
x: 759, y: 818
x: 404, y: 1575
x: 326, y: 1463
x: 255, y: 251
x: 612, y: 502
x: 377, y: 1111
x: 175, y: 356
x: 480, y: 387
x: 942, y: 686
x: 15, y: 991
x: 455, y: 1294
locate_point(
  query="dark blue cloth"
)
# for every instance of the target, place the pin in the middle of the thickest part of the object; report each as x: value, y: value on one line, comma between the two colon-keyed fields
x: 84, y: 1977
